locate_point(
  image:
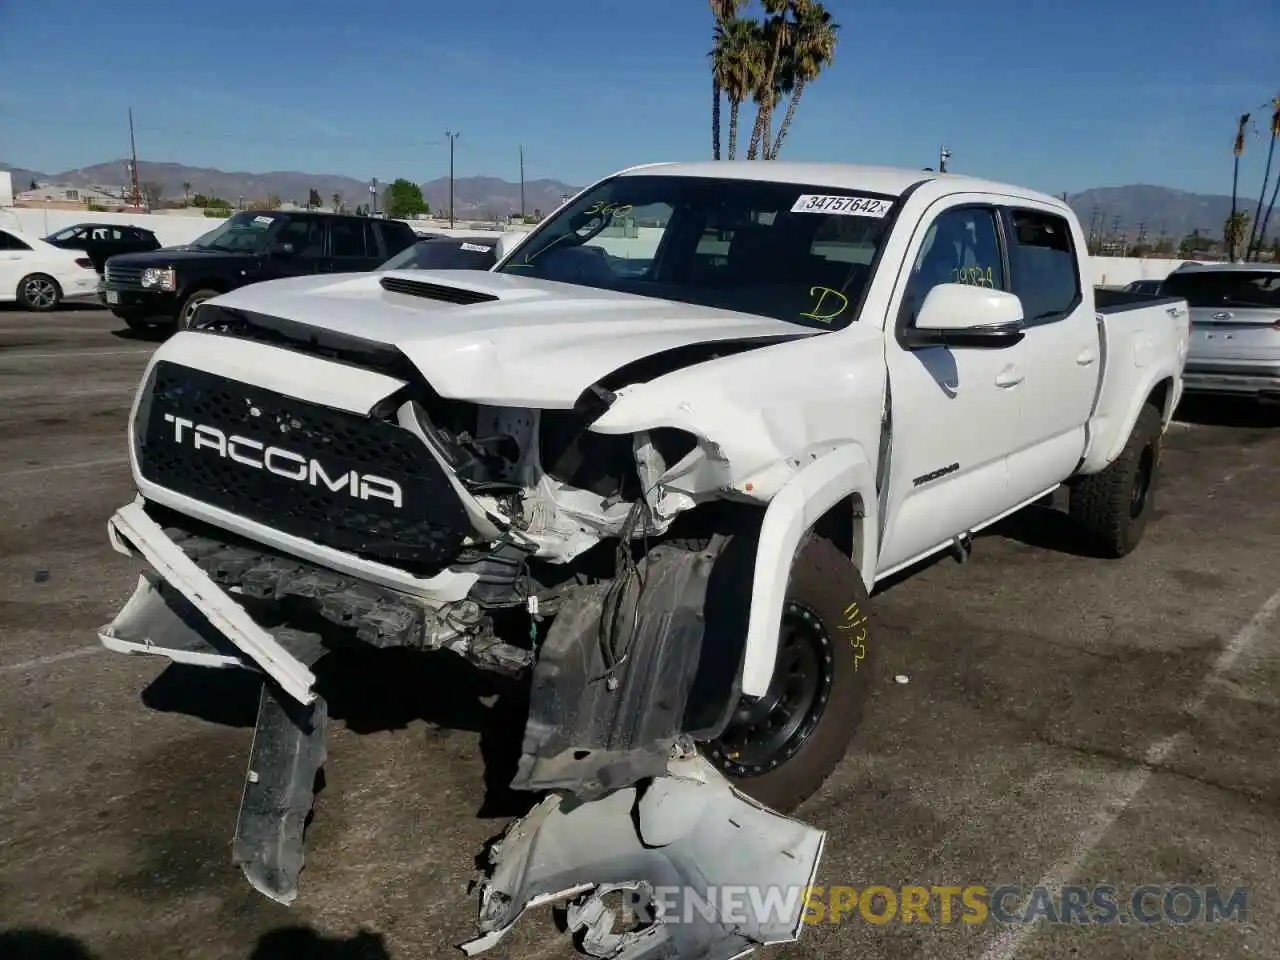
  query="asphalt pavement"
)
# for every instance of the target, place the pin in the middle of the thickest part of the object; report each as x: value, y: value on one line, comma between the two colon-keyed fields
x: 1065, y: 720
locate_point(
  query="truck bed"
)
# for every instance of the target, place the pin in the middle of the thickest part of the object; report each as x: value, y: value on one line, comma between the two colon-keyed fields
x: 1137, y: 334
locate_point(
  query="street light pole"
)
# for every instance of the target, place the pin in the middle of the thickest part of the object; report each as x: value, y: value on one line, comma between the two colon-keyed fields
x: 452, y: 137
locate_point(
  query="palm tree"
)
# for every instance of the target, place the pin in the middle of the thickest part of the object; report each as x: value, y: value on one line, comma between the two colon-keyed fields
x: 337, y: 202
x: 776, y: 35
x: 1258, y: 237
x: 186, y: 194
x: 737, y: 69
x: 723, y: 11
x: 1234, y: 230
x: 1238, y: 150
x: 813, y: 50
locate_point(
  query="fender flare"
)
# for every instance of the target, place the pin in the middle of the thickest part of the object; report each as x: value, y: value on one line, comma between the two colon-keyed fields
x: 1097, y: 458
x: 792, y: 512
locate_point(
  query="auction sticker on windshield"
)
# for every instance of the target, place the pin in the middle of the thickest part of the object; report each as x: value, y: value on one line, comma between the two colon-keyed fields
x: 267, y: 220
x: 844, y: 206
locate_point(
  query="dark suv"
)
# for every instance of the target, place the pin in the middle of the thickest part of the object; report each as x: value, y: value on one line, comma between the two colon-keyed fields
x: 165, y: 287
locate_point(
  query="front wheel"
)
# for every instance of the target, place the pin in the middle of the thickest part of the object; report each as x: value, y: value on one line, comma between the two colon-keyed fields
x: 780, y: 749
x: 1112, y: 507
x: 39, y: 292
x: 191, y: 305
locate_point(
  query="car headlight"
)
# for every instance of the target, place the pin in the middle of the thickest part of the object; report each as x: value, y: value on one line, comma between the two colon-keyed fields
x: 162, y: 278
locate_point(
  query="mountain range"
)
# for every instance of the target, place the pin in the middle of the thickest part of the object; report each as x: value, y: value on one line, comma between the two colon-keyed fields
x: 1157, y: 210
x: 486, y: 197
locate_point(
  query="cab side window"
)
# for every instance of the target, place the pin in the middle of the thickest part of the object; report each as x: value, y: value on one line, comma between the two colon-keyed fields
x: 961, y: 246
x: 306, y: 234
x: 1043, y: 266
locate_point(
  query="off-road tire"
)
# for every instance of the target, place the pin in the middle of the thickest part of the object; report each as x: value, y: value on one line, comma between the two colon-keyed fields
x: 49, y: 299
x: 828, y: 587
x: 187, y: 313
x: 1107, y: 505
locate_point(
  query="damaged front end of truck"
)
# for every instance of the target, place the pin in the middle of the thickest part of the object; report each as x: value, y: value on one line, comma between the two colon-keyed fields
x: 341, y: 485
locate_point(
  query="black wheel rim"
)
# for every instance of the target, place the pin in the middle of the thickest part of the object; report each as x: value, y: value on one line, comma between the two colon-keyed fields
x: 764, y: 733
x: 1142, y: 482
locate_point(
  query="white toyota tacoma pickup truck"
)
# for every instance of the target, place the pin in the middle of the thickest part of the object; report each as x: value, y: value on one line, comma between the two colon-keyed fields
x: 677, y: 433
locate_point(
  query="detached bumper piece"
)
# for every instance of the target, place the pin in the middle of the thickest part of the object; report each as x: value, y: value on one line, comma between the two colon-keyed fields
x: 689, y: 833
x: 288, y: 752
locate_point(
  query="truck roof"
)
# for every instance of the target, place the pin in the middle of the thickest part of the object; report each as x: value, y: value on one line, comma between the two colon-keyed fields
x: 892, y: 181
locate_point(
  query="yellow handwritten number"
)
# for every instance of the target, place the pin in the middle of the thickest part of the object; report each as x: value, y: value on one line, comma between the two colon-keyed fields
x: 821, y: 297
x: 974, y: 276
x: 855, y: 626
x: 608, y: 209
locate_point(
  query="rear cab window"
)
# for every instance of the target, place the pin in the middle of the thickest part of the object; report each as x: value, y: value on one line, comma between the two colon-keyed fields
x: 1044, y: 268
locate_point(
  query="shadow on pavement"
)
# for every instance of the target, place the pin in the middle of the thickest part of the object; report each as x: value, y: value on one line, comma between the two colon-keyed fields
x: 373, y: 691
x: 287, y: 943
x: 153, y: 334
x: 1212, y: 411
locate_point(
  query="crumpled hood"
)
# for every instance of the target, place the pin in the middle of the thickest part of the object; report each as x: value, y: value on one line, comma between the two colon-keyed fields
x: 539, y: 343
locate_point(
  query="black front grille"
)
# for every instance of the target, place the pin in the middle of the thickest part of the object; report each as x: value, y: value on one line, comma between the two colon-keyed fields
x: 434, y: 291
x: 325, y: 475
x: 124, y: 276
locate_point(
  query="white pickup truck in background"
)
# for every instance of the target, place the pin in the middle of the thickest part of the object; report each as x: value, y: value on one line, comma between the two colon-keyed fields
x: 686, y: 472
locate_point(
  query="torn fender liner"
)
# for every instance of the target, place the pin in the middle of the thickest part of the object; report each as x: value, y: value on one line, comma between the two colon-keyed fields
x: 288, y: 752
x: 687, y: 833
x: 591, y: 729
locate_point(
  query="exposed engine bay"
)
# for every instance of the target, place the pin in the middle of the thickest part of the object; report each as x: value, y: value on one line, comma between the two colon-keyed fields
x: 590, y: 539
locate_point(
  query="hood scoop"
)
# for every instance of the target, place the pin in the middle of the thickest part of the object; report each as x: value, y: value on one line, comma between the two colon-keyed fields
x: 434, y: 291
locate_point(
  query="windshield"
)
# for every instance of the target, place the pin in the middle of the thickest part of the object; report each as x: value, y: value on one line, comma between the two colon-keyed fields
x: 1241, y: 289
x: 796, y: 253
x: 67, y: 234
x: 242, y: 233
x: 448, y: 254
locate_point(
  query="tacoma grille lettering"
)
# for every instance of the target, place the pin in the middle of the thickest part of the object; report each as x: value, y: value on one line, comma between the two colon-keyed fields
x: 283, y: 462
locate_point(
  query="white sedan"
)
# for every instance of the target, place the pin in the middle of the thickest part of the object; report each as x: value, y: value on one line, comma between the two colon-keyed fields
x: 39, y: 276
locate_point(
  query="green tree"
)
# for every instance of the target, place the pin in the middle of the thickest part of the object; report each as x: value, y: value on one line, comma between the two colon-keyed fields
x: 34, y: 185
x: 776, y: 31
x: 1193, y: 244
x: 403, y: 199
x: 812, y: 49
x: 313, y: 199
x: 1235, y: 228
x: 736, y: 65
x: 723, y: 11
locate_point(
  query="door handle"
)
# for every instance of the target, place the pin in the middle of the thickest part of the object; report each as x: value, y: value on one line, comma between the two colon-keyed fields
x: 1086, y: 359
x: 1009, y: 377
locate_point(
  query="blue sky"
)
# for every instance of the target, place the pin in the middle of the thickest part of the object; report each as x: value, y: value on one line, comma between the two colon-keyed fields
x: 1053, y: 95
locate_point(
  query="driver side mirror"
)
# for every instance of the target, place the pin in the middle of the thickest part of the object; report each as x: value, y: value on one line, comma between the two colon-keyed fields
x: 281, y: 250
x: 967, y: 316
x: 508, y: 242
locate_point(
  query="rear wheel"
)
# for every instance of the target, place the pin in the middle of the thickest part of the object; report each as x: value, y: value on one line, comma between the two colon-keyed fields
x: 39, y: 292
x: 780, y: 748
x: 1112, y: 507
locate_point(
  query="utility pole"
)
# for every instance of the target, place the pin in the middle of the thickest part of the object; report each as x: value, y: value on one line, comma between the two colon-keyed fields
x: 452, y: 137
x: 133, y: 150
x: 522, y: 181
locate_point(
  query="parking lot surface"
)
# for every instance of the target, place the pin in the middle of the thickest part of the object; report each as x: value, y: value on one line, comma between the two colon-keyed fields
x: 1066, y: 720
